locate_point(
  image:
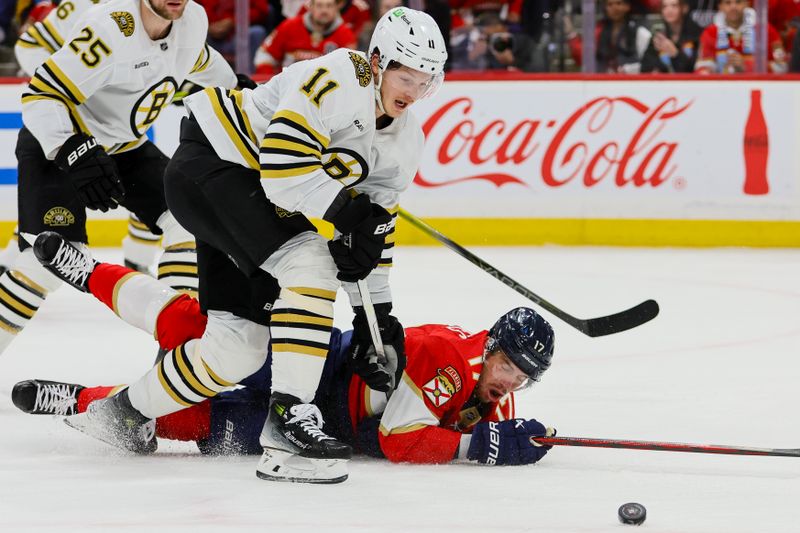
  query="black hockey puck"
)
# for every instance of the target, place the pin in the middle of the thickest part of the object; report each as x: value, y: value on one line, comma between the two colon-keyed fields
x: 632, y: 513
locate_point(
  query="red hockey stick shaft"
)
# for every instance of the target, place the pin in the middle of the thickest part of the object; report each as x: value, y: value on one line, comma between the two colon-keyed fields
x: 665, y: 446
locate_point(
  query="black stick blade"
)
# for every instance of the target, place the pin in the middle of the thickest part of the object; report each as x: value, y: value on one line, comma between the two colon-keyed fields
x: 622, y: 321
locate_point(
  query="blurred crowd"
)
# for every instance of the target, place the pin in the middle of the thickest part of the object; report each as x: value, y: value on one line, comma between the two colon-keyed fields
x: 630, y: 36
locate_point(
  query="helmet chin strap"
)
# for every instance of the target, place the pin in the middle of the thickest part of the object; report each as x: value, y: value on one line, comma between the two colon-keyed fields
x: 378, y: 98
x: 153, y: 11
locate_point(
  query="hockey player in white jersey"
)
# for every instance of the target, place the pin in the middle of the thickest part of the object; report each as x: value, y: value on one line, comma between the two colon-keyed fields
x: 310, y: 134
x: 140, y: 246
x: 86, y: 113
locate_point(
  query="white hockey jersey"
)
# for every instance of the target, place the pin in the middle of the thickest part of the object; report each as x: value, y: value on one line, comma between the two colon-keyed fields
x: 110, y: 79
x: 311, y: 132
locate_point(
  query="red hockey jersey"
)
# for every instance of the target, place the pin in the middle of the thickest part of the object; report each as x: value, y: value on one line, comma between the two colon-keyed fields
x: 293, y: 41
x: 432, y: 407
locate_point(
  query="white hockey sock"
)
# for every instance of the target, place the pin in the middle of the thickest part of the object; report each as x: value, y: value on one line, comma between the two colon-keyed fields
x: 301, y: 323
x: 140, y: 247
x: 177, y: 266
x: 138, y: 300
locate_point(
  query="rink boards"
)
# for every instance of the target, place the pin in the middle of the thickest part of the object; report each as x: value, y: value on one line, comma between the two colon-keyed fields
x: 572, y: 160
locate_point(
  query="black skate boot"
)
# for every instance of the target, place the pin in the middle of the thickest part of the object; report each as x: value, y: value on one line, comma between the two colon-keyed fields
x: 41, y: 397
x: 115, y: 421
x: 62, y: 258
x: 295, y: 447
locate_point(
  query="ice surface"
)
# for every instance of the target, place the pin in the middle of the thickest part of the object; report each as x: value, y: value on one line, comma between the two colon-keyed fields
x: 720, y: 365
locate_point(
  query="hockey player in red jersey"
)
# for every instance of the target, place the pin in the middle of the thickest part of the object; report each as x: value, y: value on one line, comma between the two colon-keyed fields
x: 455, y: 398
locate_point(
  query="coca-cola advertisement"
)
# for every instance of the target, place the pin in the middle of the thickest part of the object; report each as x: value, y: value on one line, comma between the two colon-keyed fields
x: 608, y: 149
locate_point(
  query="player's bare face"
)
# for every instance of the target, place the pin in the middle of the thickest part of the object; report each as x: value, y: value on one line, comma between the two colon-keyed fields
x: 499, y: 377
x: 402, y: 87
x: 169, y: 9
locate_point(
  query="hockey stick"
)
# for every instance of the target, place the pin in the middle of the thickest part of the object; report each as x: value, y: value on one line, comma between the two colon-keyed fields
x: 593, y: 327
x: 665, y: 446
x: 372, y: 318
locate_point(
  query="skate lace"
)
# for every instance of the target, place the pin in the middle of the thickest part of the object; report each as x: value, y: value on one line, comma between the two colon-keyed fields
x: 308, y: 417
x: 72, y: 263
x: 55, y: 398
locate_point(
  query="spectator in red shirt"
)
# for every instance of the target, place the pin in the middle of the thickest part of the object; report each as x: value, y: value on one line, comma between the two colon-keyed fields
x: 222, y: 25
x: 318, y: 31
x: 727, y: 45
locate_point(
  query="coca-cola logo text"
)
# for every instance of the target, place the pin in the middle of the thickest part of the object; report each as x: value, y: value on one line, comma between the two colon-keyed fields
x: 588, y: 146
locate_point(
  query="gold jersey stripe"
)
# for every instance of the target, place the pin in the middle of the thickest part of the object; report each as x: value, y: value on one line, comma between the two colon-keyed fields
x: 27, y: 44
x: 202, y: 61
x: 413, y: 386
x: 118, y: 286
x: 168, y: 388
x: 305, y: 168
x: 215, y: 378
x: 9, y: 327
x: 292, y: 318
x: 301, y: 121
x: 189, y: 375
x: 317, y: 293
x: 22, y: 308
x: 40, y: 291
x: 53, y: 32
x: 187, y: 246
x: 281, y: 144
x: 299, y: 348
x: 230, y: 128
x: 177, y: 269
x: 138, y: 224
x: 237, y: 99
x: 59, y: 97
x: 401, y: 429
x: 34, y: 32
x: 64, y: 80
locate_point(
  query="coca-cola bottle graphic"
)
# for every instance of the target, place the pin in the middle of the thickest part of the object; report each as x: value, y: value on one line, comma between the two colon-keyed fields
x: 756, y: 148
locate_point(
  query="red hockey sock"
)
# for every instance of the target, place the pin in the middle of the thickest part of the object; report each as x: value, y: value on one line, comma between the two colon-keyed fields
x: 193, y: 423
x: 104, y: 279
x: 90, y: 394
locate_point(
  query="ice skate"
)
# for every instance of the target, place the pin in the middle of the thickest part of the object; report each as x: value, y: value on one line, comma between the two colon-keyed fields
x: 295, y: 447
x: 68, y: 262
x: 114, y: 421
x: 41, y: 397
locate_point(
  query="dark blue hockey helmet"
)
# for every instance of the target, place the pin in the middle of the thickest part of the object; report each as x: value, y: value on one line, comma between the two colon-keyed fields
x: 526, y: 338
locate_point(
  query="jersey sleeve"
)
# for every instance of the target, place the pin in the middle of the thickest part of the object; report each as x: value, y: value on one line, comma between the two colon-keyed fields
x: 211, y: 70
x: 39, y: 41
x: 312, y: 106
x: 66, y: 80
x: 410, y: 430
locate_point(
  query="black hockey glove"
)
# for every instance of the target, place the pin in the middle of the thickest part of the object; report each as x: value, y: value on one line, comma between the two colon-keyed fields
x: 508, y: 442
x: 243, y: 81
x: 379, y: 375
x: 364, y: 226
x: 92, y: 171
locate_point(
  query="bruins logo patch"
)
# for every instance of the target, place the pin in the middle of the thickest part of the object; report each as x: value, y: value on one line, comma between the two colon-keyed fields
x: 283, y: 213
x: 363, y: 72
x: 59, y: 216
x: 125, y: 22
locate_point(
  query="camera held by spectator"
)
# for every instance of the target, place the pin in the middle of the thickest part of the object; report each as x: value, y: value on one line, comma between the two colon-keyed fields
x: 501, y: 42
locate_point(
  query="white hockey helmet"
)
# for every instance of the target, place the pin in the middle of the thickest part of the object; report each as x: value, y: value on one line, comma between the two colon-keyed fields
x: 413, y: 39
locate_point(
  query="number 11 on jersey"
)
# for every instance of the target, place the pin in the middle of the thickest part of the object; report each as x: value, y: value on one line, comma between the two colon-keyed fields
x: 310, y: 87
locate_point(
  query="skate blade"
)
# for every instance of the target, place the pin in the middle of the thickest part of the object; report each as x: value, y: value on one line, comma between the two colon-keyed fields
x: 279, y: 465
x: 83, y: 423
